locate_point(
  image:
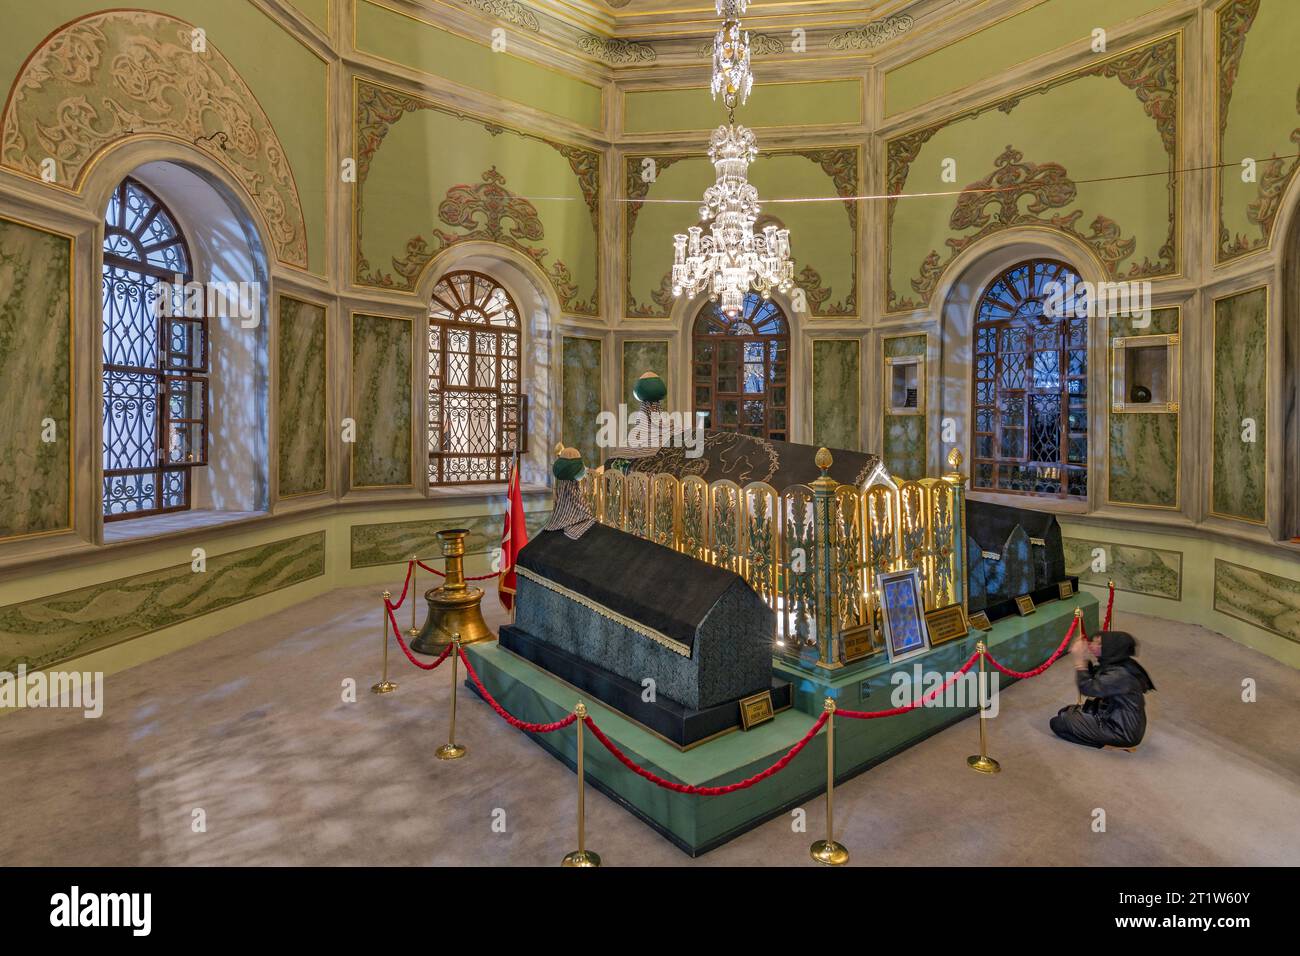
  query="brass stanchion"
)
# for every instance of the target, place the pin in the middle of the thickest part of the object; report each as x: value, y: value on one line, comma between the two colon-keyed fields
x: 385, y: 686
x: 452, y: 750
x: 982, y: 762
x: 581, y: 856
x: 1078, y: 616
x: 828, y: 851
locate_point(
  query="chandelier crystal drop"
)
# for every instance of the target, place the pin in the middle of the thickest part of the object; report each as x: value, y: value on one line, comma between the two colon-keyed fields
x: 731, y: 259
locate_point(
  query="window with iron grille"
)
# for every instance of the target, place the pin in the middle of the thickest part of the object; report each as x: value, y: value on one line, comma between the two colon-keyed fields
x: 477, y: 417
x: 1030, y: 383
x: 741, y: 368
x: 155, y: 360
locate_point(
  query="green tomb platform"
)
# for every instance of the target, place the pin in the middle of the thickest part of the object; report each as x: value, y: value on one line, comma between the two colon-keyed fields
x: 697, y: 824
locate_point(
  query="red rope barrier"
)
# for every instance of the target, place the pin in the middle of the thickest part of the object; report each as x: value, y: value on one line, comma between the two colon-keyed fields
x: 481, y: 577
x: 504, y: 714
x: 397, y: 633
x: 1110, y: 605
x: 705, y: 791
x: 895, y: 711
x: 1043, y: 666
x: 406, y: 585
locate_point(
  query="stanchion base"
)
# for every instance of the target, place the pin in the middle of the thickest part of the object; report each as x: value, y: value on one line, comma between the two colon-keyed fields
x: 829, y: 852
x: 450, y: 752
x: 383, y: 687
x: 581, y: 858
x: 983, y: 764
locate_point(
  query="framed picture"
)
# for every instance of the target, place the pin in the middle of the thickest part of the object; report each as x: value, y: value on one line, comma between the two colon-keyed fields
x: 946, y: 624
x: 902, y: 614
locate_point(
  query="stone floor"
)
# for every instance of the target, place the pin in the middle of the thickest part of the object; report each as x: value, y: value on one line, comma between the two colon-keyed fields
x: 250, y: 727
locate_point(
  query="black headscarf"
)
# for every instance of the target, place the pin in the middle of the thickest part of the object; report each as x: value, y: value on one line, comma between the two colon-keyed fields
x: 1117, y: 650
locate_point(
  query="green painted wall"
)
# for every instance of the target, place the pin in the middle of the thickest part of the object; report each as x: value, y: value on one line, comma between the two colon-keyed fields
x: 429, y: 177
x: 580, y: 404
x: 303, y: 400
x: 430, y: 49
x: 35, y: 344
x: 56, y: 627
x: 837, y: 406
x: 815, y: 103
x: 317, y: 11
x: 1240, y: 393
x: 1048, y: 25
x: 1126, y: 222
x: 288, y: 80
x: 381, y: 401
x: 1144, y: 446
x: 1258, y: 116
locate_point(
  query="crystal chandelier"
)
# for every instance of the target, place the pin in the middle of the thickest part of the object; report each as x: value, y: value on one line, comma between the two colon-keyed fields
x: 731, y: 259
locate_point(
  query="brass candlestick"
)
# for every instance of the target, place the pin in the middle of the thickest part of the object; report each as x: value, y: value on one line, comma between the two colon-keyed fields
x: 454, y: 607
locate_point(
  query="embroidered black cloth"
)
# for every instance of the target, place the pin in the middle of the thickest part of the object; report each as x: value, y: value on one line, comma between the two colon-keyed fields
x: 745, y: 458
x: 991, y: 525
x: 652, y: 585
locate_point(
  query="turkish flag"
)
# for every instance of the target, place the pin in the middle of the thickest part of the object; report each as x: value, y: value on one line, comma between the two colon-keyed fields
x: 514, y: 535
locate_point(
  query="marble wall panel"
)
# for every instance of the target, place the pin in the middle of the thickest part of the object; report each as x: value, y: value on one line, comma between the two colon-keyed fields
x: 836, y: 397
x: 381, y: 401
x: 1152, y: 571
x: 395, y: 541
x: 1265, y: 600
x: 303, y: 401
x: 1240, y: 398
x: 580, y: 401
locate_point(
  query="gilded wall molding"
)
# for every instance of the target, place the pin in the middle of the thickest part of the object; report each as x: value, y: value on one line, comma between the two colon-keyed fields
x: 874, y: 34
x: 1150, y: 71
x: 129, y: 74
x: 486, y: 211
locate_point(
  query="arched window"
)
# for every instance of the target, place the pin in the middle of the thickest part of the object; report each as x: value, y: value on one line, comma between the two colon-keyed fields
x: 742, y: 368
x: 155, y: 359
x: 475, y: 410
x: 1030, y: 388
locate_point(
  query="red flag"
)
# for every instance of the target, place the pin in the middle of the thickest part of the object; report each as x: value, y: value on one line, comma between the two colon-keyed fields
x: 514, y: 535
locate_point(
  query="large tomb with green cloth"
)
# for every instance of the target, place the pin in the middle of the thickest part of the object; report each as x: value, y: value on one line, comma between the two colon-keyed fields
x: 697, y: 824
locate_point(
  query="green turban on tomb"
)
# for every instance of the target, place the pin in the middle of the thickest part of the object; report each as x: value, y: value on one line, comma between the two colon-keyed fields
x: 568, y: 463
x: 650, y: 388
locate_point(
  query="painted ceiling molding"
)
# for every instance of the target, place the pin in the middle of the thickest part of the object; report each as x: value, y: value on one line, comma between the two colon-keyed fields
x: 874, y: 34
x: 1274, y: 174
x: 841, y: 166
x: 510, y: 11
x: 486, y: 211
x: 130, y: 74
x: 1150, y: 71
x: 616, y: 51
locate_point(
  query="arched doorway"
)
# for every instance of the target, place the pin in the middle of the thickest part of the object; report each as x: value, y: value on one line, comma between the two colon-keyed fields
x: 741, y: 368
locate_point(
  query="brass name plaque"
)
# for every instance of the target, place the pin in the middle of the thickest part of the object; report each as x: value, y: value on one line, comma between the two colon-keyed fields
x: 1025, y: 605
x: 980, y: 619
x: 1065, y: 589
x: 756, y: 709
x: 946, y: 624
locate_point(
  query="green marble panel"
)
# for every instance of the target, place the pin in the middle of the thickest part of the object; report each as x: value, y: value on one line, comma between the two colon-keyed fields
x: 580, y: 404
x: 1259, y: 598
x: 641, y: 357
x: 900, y: 345
x: 1144, y: 447
x: 302, y: 397
x: 54, y: 628
x: 835, y: 392
x: 395, y: 541
x: 904, y: 451
x: 1240, y: 393
x: 35, y: 339
x: 381, y: 401
x: 1152, y: 571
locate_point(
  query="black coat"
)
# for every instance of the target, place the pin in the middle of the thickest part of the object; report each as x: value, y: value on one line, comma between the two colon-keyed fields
x: 1116, y: 714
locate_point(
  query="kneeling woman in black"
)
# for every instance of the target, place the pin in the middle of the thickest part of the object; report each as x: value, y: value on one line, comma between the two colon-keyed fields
x: 1115, y: 714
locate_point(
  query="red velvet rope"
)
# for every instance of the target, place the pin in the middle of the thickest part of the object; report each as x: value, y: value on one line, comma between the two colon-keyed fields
x: 1043, y: 666
x: 481, y: 577
x: 406, y: 586
x: 895, y: 711
x: 397, y: 633
x: 504, y: 715
x: 705, y: 791
x: 1110, y: 606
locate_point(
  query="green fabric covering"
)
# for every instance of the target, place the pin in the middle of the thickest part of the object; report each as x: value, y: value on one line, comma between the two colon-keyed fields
x: 567, y: 469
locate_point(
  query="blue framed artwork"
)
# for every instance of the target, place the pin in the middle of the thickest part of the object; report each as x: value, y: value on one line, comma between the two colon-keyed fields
x: 902, y: 614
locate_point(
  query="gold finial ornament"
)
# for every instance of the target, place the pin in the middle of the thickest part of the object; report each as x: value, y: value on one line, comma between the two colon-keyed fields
x: 1078, y: 612
x: 824, y: 459
x: 955, y: 477
x: 1110, y: 584
x: 954, y: 459
x: 455, y: 606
